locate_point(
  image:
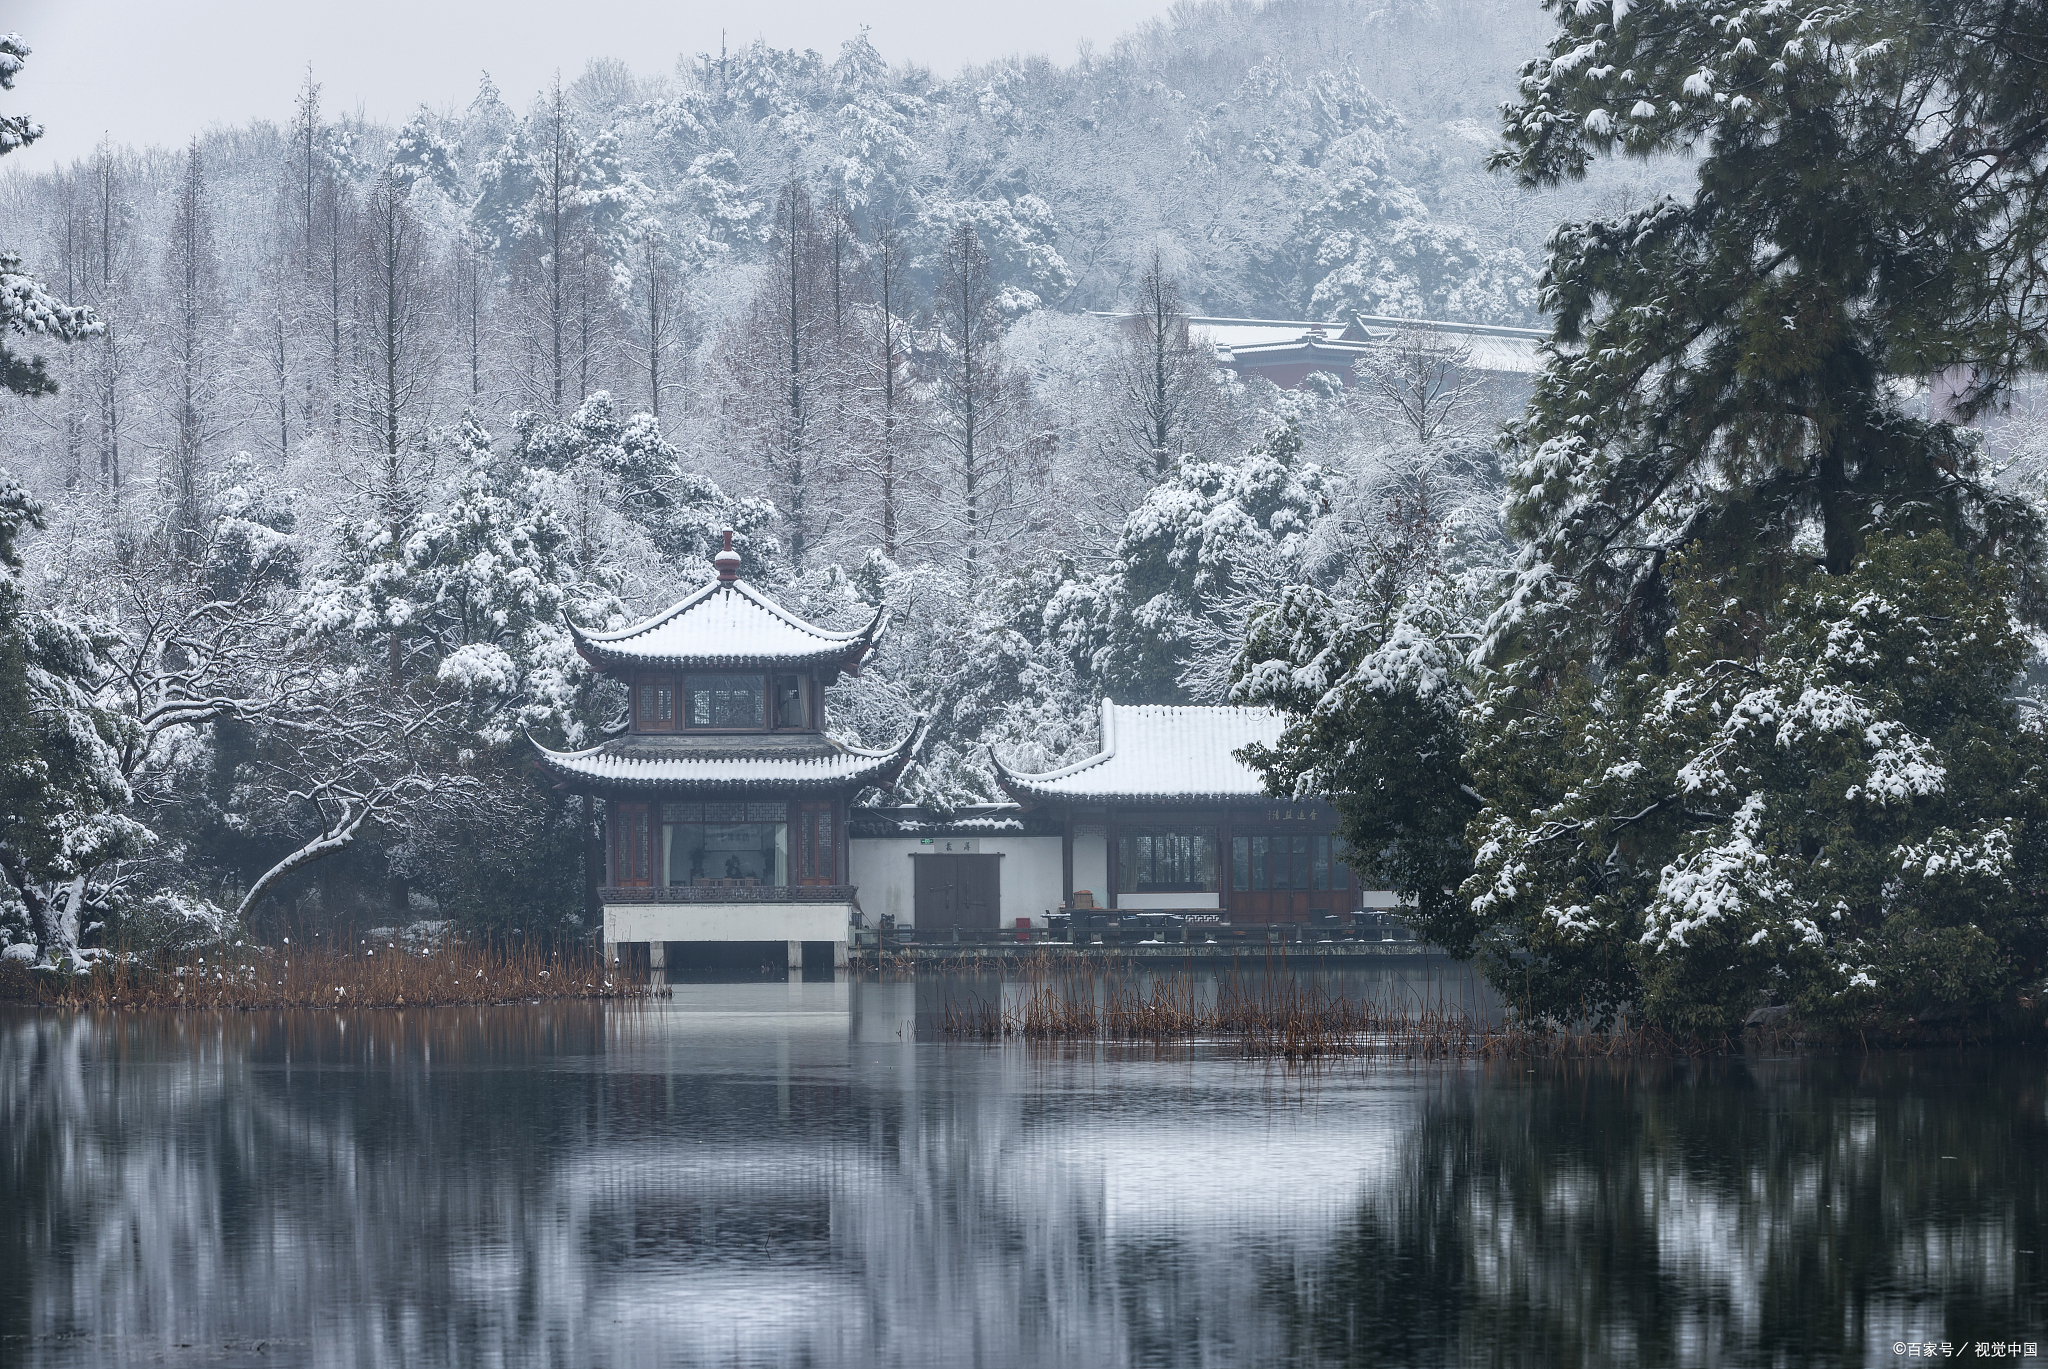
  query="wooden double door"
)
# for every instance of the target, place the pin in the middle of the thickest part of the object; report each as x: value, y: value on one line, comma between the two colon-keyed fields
x: 956, y: 891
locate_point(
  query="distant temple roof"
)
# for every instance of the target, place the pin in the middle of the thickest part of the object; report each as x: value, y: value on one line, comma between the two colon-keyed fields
x: 728, y: 624
x: 726, y: 762
x: 1288, y: 351
x: 1155, y: 754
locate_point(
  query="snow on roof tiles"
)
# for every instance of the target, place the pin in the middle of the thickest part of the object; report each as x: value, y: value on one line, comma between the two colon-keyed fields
x: 1154, y: 753
x: 686, y: 764
x: 1502, y: 350
x: 724, y: 625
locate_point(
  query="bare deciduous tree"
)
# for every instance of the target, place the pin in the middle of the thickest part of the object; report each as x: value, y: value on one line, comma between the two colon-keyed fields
x: 981, y: 408
x: 1422, y: 380
x: 192, y: 281
x: 1165, y: 378
x: 775, y: 371
x: 400, y: 330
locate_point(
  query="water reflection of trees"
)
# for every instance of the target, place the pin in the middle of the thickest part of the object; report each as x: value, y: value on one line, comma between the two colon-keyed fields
x: 1795, y: 1213
x: 563, y: 1184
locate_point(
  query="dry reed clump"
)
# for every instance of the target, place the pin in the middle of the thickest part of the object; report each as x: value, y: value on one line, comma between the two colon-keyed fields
x: 1274, y: 1015
x: 322, y: 977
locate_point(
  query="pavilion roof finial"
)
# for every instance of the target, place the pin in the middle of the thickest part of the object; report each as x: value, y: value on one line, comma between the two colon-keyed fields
x: 727, y: 561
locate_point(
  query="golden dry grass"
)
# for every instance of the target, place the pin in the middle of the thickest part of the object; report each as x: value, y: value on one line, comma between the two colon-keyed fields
x: 323, y: 977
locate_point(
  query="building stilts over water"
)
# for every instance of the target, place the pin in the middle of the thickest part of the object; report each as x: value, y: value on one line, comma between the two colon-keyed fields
x: 729, y: 818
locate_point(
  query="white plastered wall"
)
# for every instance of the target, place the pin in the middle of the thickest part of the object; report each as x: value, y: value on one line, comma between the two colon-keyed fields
x: 726, y: 921
x: 1030, y: 881
x: 1091, y: 867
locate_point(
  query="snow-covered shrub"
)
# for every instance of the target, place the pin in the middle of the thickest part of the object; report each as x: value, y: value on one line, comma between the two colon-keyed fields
x: 177, y: 921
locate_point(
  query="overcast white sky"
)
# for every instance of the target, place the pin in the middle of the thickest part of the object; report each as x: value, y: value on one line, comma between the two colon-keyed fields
x: 158, y: 71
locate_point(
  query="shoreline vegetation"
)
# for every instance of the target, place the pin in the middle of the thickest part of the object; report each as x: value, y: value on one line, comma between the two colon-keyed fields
x: 1270, y: 1008
x: 368, y: 975
x: 1273, y: 1014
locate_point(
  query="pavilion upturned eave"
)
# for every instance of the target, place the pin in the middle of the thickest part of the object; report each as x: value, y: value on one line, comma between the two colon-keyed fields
x: 631, y: 765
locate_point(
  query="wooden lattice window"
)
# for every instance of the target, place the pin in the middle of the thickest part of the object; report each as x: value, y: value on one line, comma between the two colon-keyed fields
x: 654, y: 704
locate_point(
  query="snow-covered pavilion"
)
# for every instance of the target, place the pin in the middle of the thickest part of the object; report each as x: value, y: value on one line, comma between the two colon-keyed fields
x: 728, y: 818
x: 725, y: 800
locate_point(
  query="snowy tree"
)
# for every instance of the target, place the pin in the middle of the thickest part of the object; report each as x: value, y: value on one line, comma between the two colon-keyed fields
x: 1017, y: 238
x: 1832, y: 806
x: 193, y: 287
x: 62, y: 792
x: 26, y: 308
x: 1189, y: 564
x: 1746, y: 732
x: 1367, y: 658
x: 888, y: 407
x: 978, y: 667
x: 684, y: 514
x: 469, y: 595
x: 1773, y: 318
x: 419, y: 153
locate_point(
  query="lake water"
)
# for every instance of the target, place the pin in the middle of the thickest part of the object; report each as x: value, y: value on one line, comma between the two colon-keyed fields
x: 787, y: 1174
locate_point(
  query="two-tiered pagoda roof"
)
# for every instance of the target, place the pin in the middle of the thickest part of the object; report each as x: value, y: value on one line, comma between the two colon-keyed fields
x: 727, y: 626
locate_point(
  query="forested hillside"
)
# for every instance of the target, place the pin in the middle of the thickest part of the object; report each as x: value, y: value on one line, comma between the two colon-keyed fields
x: 362, y: 412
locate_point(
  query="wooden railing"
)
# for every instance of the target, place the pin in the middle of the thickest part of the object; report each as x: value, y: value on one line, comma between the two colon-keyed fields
x: 729, y: 893
x: 1132, y: 933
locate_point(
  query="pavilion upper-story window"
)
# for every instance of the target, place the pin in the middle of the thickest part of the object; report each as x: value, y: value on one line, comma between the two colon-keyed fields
x: 725, y: 702
x: 792, y: 707
x: 654, y: 703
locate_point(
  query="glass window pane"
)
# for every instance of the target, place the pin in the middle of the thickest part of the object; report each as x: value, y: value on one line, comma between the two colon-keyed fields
x: 708, y: 852
x: 1178, y: 862
x: 1322, y: 879
x: 1240, y: 862
x: 724, y: 701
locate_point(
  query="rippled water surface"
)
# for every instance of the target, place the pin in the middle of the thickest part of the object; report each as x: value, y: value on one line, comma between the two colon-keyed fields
x: 785, y: 1174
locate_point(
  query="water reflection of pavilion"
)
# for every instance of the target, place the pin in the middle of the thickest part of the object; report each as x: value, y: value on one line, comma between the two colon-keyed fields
x: 571, y: 1184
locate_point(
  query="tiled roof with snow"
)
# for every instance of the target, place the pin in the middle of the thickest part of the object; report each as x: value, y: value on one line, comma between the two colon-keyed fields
x: 726, y: 625
x: 1488, y: 347
x: 1157, y: 754
x: 725, y: 763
